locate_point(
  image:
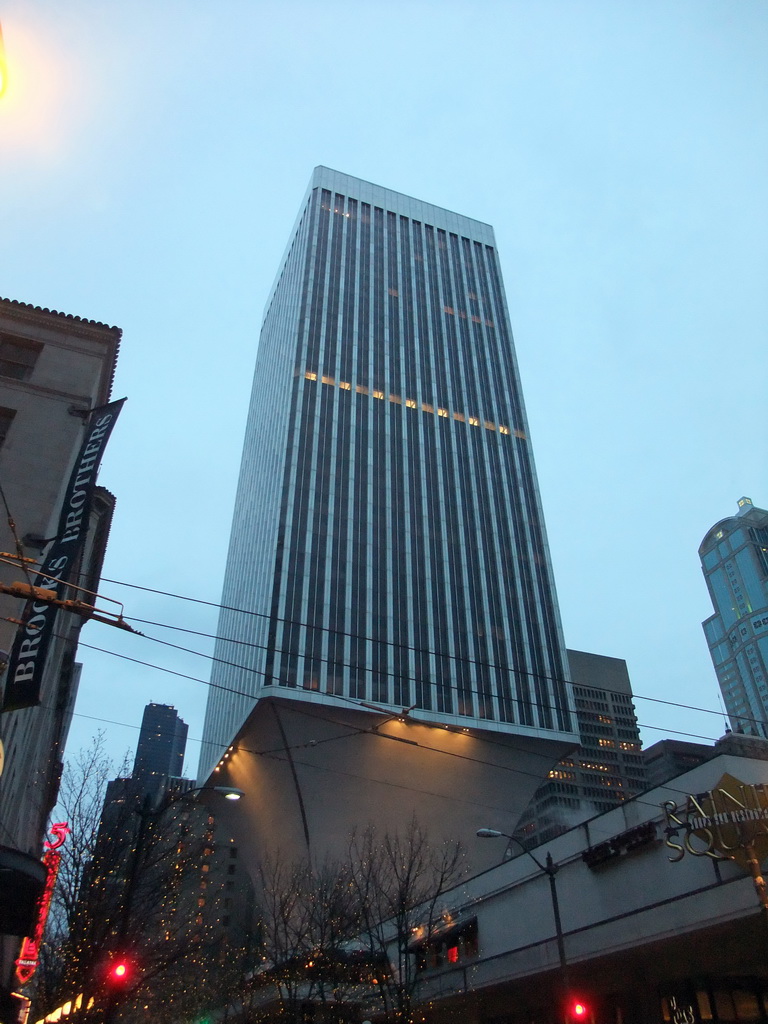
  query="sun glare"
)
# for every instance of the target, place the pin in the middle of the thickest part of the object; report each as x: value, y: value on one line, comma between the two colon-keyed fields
x: 38, y: 87
x: 3, y: 67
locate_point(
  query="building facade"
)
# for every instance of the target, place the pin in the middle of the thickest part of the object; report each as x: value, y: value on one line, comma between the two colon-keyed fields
x: 645, y: 914
x: 668, y: 758
x: 162, y: 742
x: 164, y: 890
x: 657, y: 922
x: 734, y: 560
x: 607, y: 767
x: 388, y: 547
x: 54, y: 369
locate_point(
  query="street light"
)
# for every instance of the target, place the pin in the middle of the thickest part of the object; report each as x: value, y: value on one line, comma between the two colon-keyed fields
x: 550, y: 869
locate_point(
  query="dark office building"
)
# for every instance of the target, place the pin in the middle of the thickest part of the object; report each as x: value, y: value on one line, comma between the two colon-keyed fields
x: 162, y: 742
x: 607, y: 768
x: 668, y: 758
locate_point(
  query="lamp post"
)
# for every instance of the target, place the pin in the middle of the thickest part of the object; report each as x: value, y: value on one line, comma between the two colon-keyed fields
x: 146, y: 812
x: 550, y: 869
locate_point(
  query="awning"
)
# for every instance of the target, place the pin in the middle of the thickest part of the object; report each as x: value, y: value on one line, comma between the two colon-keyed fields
x: 22, y: 879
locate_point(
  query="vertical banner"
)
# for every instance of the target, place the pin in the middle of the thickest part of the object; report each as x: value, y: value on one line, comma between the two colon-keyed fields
x: 27, y: 661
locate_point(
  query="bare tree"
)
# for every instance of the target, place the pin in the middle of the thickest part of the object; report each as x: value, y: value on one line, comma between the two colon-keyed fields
x: 154, y: 899
x: 307, y: 916
x: 135, y: 884
x: 401, y: 882
x: 339, y: 934
x: 80, y: 801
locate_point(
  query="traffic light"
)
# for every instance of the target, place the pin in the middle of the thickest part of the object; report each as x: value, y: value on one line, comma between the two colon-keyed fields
x: 577, y: 1011
x: 121, y: 972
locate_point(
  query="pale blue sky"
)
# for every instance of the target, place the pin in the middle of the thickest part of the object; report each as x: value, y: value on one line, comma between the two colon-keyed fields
x: 152, y: 160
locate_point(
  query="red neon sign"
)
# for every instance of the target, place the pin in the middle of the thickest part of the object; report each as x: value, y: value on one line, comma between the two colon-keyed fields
x: 26, y: 965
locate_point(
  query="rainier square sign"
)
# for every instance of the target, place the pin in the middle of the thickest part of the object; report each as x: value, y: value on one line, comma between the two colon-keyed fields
x: 728, y: 822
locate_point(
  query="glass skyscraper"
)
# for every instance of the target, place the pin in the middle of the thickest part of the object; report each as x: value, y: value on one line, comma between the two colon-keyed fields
x: 734, y: 559
x: 388, y: 546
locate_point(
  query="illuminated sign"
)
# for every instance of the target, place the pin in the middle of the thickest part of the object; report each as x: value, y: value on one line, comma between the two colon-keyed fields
x: 28, y: 959
x: 729, y: 822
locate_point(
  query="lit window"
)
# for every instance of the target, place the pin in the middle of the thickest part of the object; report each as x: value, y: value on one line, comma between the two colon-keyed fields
x: 427, y: 408
x: 448, y: 309
x: 459, y: 416
x: 328, y: 380
x: 459, y: 945
x: 474, y: 421
x: 411, y: 403
x: 361, y: 389
x: 489, y: 426
x: 345, y: 385
x: 378, y: 394
x: 310, y: 376
x: 442, y: 412
x: 396, y: 399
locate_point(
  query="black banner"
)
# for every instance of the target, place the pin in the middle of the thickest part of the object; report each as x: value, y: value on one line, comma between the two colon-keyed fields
x: 30, y: 648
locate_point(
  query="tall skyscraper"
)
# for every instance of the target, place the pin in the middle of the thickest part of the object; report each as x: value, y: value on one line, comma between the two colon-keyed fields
x: 162, y: 742
x: 734, y: 560
x: 388, y: 544
x: 390, y: 646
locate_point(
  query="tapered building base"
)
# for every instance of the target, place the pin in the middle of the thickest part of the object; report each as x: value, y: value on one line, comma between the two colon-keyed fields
x: 314, y: 775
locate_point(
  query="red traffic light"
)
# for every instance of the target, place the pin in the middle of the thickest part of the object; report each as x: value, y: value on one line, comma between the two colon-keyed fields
x: 578, y: 1011
x: 120, y: 972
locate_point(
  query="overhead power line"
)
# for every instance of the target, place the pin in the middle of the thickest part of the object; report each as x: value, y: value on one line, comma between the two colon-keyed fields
x: 281, y: 685
x: 389, y: 643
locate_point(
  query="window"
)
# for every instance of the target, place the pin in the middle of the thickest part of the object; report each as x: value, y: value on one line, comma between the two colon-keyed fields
x: 452, y: 947
x: 18, y: 357
x: 6, y: 419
